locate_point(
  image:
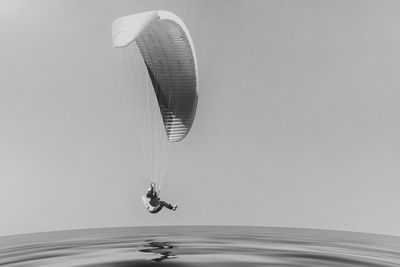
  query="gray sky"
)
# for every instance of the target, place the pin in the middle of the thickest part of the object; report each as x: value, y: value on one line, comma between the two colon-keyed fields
x: 297, y: 122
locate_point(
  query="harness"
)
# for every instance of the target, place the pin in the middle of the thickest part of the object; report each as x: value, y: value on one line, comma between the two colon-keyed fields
x: 152, y: 209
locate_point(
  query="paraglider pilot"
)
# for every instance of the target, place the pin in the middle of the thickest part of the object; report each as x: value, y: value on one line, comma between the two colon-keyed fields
x: 153, y: 202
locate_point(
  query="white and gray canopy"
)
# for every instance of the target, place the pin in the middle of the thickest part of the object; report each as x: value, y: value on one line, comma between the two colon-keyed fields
x: 170, y: 58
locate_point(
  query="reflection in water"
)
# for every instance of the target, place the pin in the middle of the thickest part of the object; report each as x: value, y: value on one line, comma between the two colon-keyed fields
x: 164, y: 249
x: 199, y: 246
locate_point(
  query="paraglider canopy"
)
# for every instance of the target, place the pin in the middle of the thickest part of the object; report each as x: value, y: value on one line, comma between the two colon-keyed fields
x: 170, y: 58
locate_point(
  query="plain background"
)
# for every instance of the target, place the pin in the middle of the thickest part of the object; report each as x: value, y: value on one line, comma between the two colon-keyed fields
x: 297, y: 122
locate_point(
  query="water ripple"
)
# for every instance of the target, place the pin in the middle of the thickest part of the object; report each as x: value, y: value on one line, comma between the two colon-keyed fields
x: 199, y: 246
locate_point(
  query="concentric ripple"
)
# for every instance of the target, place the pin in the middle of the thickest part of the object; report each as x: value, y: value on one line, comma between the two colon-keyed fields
x: 200, y: 246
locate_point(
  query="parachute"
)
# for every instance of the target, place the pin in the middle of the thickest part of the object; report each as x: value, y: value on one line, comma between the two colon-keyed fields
x: 170, y: 83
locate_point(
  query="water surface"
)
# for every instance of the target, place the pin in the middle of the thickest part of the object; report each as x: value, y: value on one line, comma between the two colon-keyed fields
x: 200, y: 246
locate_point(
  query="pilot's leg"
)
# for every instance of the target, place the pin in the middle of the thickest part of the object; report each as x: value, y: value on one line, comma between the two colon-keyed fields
x: 167, y: 205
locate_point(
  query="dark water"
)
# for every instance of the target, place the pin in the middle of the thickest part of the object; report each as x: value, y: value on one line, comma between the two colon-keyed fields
x: 199, y: 246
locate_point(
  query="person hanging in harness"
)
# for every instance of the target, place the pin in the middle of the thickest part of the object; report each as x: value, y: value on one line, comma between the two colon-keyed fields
x: 153, y: 202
